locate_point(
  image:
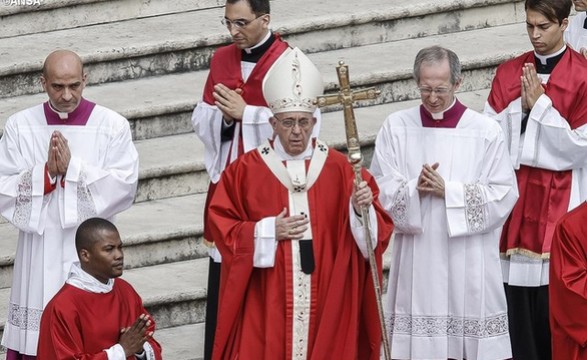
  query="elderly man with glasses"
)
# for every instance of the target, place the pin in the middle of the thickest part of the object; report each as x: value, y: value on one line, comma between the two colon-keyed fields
x: 446, y: 180
x: 296, y: 283
x: 233, y: 117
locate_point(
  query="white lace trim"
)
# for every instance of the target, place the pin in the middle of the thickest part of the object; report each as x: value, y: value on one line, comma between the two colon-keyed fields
x: 475, y: 208
x: 433, y: 326
x: 302, y: 293
x: 399, y: 207
x: 24, y: 200
x: 24, y: 318
x: 85, y: 202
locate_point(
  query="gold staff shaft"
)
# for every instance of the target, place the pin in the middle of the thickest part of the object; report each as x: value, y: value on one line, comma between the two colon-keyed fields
x: 346, y: 97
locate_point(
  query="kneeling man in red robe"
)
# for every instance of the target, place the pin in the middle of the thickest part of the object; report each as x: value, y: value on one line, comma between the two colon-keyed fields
x: 94, y: 315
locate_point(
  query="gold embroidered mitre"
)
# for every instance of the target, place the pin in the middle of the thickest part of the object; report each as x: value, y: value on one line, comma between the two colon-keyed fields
x: 293, y: 83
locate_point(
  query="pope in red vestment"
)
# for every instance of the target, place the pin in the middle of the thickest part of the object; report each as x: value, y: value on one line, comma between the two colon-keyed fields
x: 255, y: 308
x: 568, y: 286
x: 296, y: 282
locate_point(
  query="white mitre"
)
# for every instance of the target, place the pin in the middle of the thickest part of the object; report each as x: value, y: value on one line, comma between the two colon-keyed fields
x: 293, y: 83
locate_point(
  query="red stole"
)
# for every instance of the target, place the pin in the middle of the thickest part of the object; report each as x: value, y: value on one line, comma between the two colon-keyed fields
x: 544, y: 194
x: 225, y: 68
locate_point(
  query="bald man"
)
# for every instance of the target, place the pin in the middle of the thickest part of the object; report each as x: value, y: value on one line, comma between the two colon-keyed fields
x: 61, y: 162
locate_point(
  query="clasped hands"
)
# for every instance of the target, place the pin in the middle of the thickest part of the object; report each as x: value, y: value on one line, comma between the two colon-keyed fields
x: 229, y: 102
x: 293, y: 227
x: 531, y: 87
x: 430, y: 181
x: 59, y: 155
x: 132, y: 338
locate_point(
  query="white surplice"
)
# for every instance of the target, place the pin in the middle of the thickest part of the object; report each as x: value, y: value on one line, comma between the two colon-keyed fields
x: 576, y: 34
x: 445, y: 295
x: 101, y: 181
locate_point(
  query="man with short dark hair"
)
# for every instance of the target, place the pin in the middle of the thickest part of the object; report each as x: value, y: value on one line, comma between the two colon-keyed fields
x: 446, y: 180
x: 95, y: 315
x: 233, y: 117
x: 538, y: 98
x: 61, y: 162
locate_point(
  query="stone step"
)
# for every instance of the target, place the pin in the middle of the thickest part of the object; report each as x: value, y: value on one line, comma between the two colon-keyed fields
x: 184, y: 342
x: 50, y: 15
x: 160, y: 106
x: 148, y: 47
x: 154, y: 232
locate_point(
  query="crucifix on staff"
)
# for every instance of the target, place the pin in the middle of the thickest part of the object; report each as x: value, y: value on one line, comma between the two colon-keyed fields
x: 346, y: 96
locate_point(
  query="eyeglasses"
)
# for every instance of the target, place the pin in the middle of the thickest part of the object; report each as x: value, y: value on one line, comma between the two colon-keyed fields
x: 290, y: 123
x: 439, y: 91
x: 239, y: 23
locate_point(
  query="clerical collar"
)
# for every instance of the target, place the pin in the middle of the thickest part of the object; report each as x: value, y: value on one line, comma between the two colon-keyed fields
x: 280, y: 151
x: 449, y: 118
x: 546, y: 63
x: 84, y: 281
x: 255, y: 53
x: 79, y: 116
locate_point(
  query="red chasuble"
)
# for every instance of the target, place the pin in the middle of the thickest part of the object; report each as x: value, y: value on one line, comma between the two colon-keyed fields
x: 225, y: 68
x: 78, y: 324
x: 544, y: 194
x: 255, y: 306
x: 568, y: 286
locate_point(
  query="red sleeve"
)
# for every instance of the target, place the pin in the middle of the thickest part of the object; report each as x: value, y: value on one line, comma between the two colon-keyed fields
x: 59, y: 337
x: 568, y: 276
x: 48, y: 186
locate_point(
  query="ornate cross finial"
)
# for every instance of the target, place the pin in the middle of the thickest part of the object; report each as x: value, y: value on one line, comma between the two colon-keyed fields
x: 347, y: 97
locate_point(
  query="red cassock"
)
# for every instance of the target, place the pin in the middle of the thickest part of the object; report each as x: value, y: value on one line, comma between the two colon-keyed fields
x: 225, y: 68
x: 255, y: 307
x: 568, y: 286
x: 78, y: 324
x: 544, y: 194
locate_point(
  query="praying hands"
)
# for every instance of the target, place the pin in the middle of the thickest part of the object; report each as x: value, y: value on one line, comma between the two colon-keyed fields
x: 531, y: 87
x: 59, y: 155
x: 430, y: 181
x: 132, y: 338
x: 230, y: 102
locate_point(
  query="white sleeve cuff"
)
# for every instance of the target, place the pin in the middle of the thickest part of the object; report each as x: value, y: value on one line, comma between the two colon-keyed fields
x: 359, y: 231
x: 116, y: 352
x: 265, y: 243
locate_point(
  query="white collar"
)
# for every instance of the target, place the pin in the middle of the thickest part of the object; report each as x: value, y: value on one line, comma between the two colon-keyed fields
x: 543, y: 58
x: 440, y: 115
x: 248, y: 50
x: 62, y: 115
x: 278, y: 147
x: 84, y: 281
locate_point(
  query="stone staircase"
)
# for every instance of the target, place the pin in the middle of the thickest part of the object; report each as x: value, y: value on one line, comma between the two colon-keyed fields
x: 147, y: 59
